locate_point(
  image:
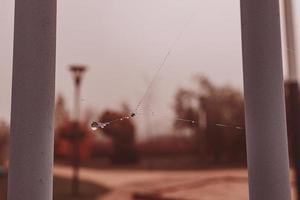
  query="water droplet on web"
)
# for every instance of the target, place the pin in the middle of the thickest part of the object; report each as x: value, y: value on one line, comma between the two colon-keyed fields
x: 102, y: 125
x: 96, y: 125
x: 239, y: 128
x: 221, y: 125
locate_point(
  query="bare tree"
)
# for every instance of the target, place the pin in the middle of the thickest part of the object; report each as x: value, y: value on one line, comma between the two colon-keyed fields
x: 123, y: 137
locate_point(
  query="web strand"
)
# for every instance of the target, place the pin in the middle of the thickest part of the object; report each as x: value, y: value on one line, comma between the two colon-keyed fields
x: 162, y: 64
x: 96, y: 125
x: 135, y: 113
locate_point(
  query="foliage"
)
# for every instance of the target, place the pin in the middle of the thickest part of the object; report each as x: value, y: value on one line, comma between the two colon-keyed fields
x: 66, y: 131
x: 4, y: 142
x: 211, y: 105
x: 61, y: 113
x: 123, y: 137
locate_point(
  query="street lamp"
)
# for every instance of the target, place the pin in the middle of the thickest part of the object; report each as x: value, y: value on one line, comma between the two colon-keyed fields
x: 77, y: 72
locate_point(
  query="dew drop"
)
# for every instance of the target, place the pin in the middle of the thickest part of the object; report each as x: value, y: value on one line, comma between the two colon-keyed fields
x: 94, y: 126
x: 102, y: 125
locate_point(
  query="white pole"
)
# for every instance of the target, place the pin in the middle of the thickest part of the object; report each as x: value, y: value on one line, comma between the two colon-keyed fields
x: 31, y: 152
x: 290, y: 40
x: 266, y: 132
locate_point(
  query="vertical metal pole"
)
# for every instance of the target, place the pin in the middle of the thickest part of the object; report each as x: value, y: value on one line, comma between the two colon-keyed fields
x: 31, y: 152
x: 266, y: 134
x: 290, y: 40
x: 293, y: 89
x: 77, y: 100
x: 77, y: 71
x: 76, y: 144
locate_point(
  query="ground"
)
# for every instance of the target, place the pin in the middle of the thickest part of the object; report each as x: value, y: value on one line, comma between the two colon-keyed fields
x: 62, y: 189
x: 167, y: 185
x: 151, y: 184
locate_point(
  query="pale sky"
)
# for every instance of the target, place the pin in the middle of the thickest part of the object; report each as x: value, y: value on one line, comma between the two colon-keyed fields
x: 123, y: 41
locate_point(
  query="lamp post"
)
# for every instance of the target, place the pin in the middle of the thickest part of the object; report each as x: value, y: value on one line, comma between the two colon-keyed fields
x: 77, y: 72
x: 293, y: 89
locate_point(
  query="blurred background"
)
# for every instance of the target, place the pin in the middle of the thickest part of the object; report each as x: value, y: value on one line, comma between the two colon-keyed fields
x: 187, y: 140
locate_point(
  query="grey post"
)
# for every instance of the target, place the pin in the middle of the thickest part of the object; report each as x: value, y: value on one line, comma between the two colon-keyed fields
x: 290, y: 40
x: 31, y: 152
x: 266, y: 132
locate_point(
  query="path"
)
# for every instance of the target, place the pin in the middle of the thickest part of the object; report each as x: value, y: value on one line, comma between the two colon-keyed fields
x: 179, y: 185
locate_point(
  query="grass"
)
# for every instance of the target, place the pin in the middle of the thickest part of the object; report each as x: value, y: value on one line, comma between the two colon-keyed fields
x: 3, y: 186
x: 62, y: 190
